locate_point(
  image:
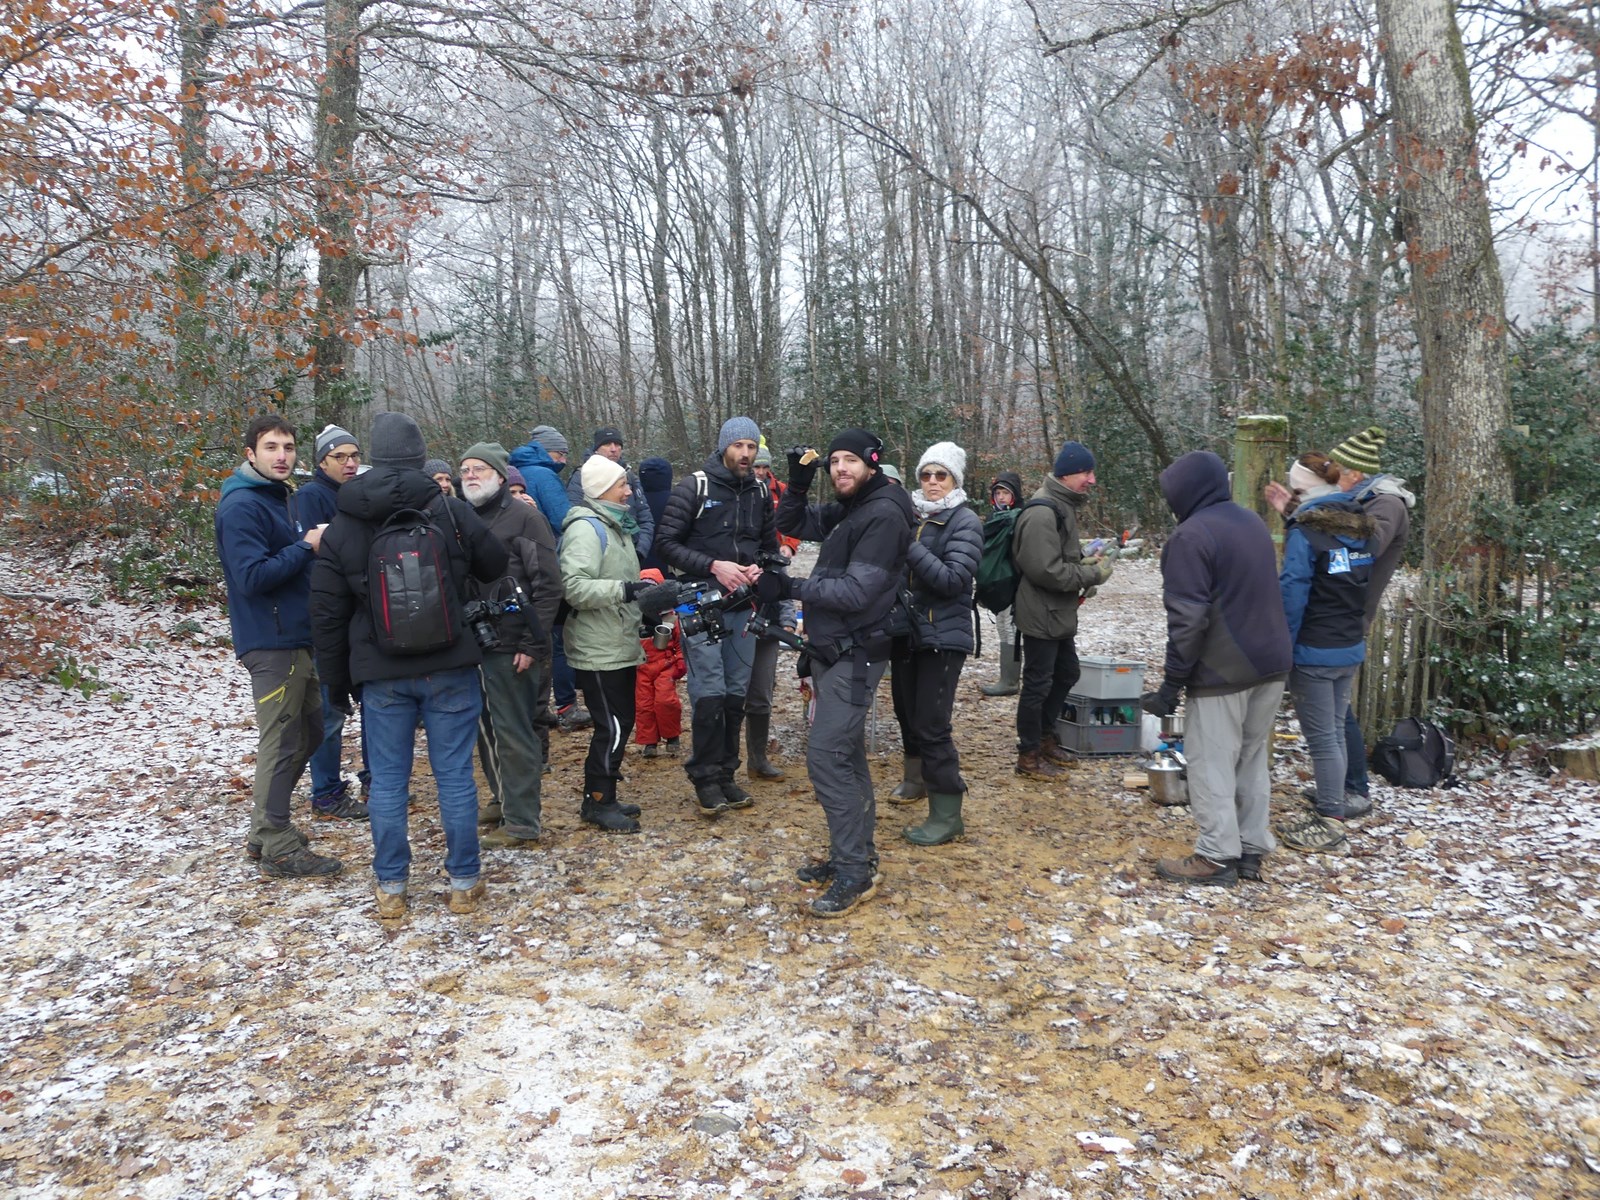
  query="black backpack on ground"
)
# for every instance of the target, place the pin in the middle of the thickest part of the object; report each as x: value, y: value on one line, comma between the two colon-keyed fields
x: 412, y: 595
x: 1416, y: 754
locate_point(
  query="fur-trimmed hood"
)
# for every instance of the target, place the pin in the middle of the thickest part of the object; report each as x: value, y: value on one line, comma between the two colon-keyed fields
x: 1337, y: 516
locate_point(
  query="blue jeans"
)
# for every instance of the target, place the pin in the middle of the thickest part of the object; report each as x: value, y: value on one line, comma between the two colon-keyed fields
x: 563, y: 681
x: 1355, y: 749
x: 1321, y: 699
x: 326, y: 762
x: 448, y: 704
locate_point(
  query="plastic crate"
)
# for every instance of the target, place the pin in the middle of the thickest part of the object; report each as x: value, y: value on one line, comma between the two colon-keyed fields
x: 1104, y: 678
x: 1092, y: 726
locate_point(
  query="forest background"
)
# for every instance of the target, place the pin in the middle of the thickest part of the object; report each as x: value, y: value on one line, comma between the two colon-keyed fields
x: 1004, y: 223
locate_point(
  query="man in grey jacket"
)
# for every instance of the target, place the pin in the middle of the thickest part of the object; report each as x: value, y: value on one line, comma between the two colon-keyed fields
x: 1054, y: 577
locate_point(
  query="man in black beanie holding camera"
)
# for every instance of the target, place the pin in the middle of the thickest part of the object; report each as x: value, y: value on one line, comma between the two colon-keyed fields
x: 847, y: 601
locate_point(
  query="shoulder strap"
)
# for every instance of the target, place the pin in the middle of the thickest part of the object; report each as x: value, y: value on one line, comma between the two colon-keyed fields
x: 702, y: 489
x: 599, y: 529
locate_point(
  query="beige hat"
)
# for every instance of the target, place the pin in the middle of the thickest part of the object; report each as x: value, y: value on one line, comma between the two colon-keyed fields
x: 599, y: 475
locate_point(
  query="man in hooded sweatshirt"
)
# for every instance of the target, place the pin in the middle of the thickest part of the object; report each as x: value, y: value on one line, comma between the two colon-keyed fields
x: 396, y: 691
x: 267, y: 550
x: 1228, y: 646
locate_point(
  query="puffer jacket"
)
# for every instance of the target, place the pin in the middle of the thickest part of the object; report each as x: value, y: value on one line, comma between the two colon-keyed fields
x: 531, y: 544
x: 265, y: 565
x: 857, y: 575
x: 736, y: 523
x: 1049, y: 560
x: 341, y: 621
x: 1225, y: 625
x: 1327, y: 569
x: 602, y: 629
x: 943, y: 561
x: 542, y: 474
x: 655, y: 481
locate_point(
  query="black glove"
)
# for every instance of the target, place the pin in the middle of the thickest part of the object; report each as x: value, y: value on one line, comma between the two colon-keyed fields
x: 800, y: 474
x: 1162, y: 702
x: 339, y: 699
x: 774, y: 586
x: 657, y: 599
x: 631, y: 588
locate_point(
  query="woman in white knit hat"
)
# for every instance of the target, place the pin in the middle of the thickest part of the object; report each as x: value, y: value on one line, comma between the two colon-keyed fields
x: 942, y: 563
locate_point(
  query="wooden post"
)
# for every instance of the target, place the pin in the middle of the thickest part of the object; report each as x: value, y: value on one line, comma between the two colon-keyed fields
x: 1260, y: 452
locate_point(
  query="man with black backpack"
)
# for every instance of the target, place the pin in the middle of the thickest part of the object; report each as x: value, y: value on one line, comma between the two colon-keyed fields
x: 1053, y: 577
x: 386, y: 619
x: 718, y: 525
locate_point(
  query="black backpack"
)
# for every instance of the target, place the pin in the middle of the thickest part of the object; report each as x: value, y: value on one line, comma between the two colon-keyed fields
x: 412, y: 595
x: 1416, y: 754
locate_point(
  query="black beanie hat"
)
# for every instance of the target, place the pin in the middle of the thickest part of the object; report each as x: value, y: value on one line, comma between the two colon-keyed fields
x: 605, y: 435
x: 868, y: 447
x: 396, y: 442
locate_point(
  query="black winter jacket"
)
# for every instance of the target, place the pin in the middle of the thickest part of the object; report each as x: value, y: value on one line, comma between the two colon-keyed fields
x: 858, y: 571
x: 737, y: 522
x: 341, y: 627
x: 1225, y: 625
x: 527, y: 537
x: 943, y: 558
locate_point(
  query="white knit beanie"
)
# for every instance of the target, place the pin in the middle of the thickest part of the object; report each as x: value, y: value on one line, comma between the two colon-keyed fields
x: 947, y: 455
x: 599, y: 475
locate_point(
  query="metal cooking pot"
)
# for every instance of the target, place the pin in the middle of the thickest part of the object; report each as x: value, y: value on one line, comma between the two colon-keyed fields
x: 1172, y: 727
x: 1168, y: 786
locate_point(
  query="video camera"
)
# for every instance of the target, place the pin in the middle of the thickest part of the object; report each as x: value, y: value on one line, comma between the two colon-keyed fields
x: 699, y: 608
x: 480, y: 615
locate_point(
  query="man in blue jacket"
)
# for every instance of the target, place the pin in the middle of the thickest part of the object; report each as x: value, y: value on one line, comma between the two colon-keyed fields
x: 266, y: 551
x: 1228, y: 646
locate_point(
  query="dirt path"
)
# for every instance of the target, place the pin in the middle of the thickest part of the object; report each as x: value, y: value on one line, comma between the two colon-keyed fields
x: 1025, y: 1013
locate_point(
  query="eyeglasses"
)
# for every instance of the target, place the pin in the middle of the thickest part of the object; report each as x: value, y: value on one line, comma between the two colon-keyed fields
x: 939, y: 476
x: 474, y: 472
x: 344, y: 457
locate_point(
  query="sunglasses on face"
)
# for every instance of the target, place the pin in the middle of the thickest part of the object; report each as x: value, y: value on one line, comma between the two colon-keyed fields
x: 938, y: 476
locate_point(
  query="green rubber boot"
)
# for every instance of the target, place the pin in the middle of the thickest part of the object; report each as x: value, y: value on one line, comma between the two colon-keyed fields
x: 911, y: 787
x: 943, y: 823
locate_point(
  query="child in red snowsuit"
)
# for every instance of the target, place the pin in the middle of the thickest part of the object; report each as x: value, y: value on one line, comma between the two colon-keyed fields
x: 658, y: 713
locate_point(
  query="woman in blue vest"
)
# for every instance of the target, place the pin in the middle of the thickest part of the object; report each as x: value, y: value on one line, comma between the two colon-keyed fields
x: 1327, y: 565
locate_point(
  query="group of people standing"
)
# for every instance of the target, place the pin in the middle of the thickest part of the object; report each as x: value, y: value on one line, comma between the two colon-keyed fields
x: 567, y: 573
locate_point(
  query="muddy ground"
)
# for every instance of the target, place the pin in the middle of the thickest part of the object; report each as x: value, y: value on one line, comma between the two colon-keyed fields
x: 1025, y: 1013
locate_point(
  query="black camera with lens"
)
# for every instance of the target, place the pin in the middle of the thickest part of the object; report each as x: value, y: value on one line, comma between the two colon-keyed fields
x: 482, y: 616
x: 699, y: 608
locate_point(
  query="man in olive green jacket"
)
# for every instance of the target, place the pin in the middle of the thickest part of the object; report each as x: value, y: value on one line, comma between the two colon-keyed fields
x: 1054, y: 577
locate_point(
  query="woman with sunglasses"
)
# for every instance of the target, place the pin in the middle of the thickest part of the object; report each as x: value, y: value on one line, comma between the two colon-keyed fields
x: 942, y: 561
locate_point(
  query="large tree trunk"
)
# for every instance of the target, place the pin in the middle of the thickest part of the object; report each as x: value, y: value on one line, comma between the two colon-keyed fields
x: 1455, y: 281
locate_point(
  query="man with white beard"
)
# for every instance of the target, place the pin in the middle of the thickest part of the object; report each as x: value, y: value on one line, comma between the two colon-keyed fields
x: 513, y: 671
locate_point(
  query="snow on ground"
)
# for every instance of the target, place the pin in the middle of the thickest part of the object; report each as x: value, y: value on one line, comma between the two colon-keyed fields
x: 1027, y: 1012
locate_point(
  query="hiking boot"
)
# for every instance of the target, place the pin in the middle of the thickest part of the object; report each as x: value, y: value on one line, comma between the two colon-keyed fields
x: 757, y: 732
x: 465, y: 900
x: 1034, y: 765
x: 710, y: 800
x: 1051, y: 752
x: 500, y: 838
x: 572, y: 718
x: 911, y: 787
x: 1318, y: 835
x: 650, y: 750
x: 943, y: 823
x: 672, y: 747
x: 606, y: 814
x: 1195, y: 868
x: 343, y: 807
x: 1250, y: 867
x: 1356, y: 806
x: 734, y: 795
x: 252, y: 850
x: 391, y: 905
x: 842, y: 895
x: 303, y: 863
x: 490, y: 813
x: 818, y: 874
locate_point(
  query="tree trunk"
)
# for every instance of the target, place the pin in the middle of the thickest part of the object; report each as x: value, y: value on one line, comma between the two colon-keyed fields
x: 1455, y: 281
x: 340, y: 262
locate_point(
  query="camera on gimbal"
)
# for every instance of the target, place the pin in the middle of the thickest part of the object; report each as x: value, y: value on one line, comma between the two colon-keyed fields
x: 480, y: 615
x: 699, y: 608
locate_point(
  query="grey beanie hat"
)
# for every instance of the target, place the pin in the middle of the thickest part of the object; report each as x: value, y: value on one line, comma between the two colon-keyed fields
x: 396, y: 442
x: 737, y: 429
x: 334, y: 435
x: 549, y: 438
x: 438, y: 466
